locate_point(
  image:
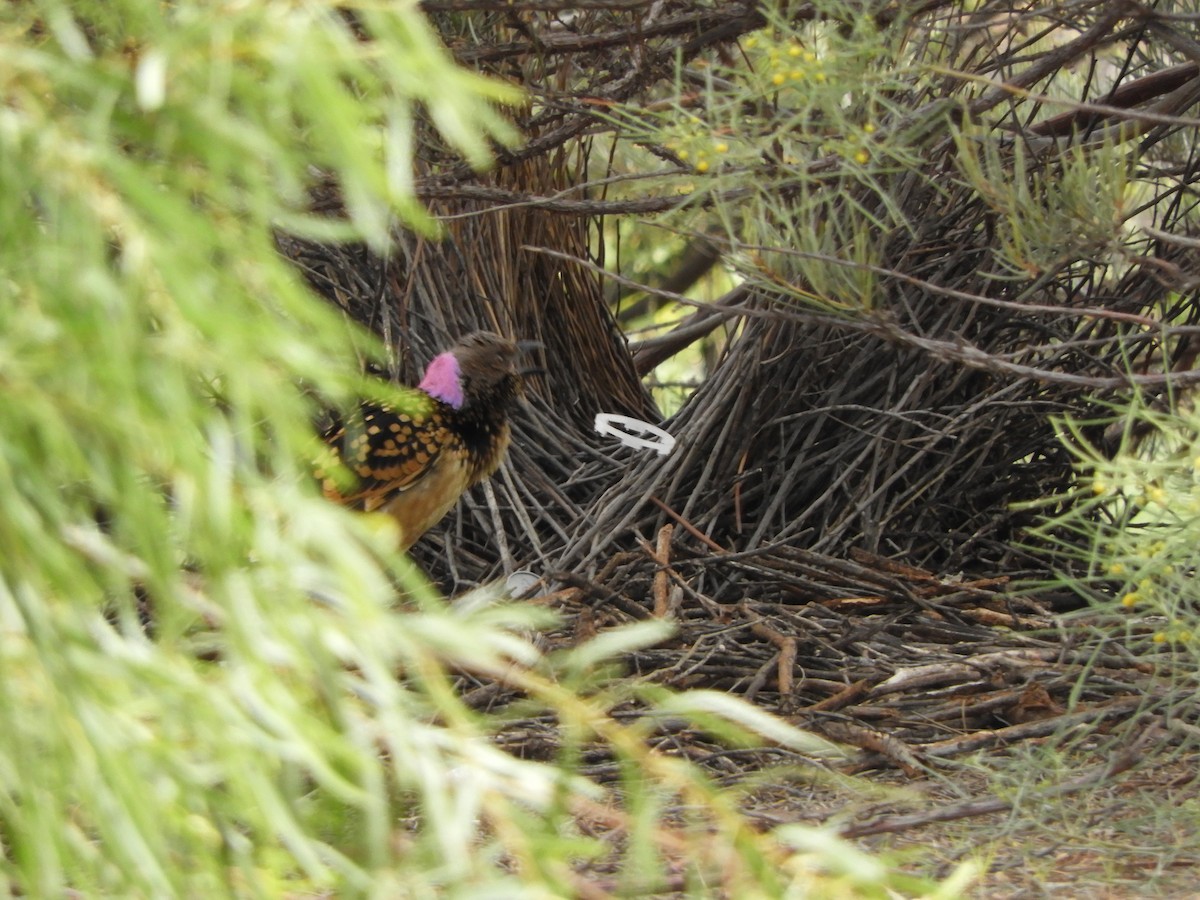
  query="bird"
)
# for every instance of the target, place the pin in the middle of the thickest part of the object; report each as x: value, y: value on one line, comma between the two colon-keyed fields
x: 415, y: 463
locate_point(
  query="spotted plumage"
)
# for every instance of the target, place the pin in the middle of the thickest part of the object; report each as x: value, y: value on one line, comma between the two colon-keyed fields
x: 414, y: 463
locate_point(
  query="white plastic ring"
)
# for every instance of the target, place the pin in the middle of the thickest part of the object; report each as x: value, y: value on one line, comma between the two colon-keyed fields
x: 628, y: 431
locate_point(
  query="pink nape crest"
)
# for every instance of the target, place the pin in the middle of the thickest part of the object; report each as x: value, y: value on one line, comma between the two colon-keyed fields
x: 442, y: 380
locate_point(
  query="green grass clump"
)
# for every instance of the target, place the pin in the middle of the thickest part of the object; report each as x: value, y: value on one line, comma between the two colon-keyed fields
x: 1132, y: 527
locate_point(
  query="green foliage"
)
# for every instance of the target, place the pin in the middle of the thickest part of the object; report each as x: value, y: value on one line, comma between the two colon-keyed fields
x: 1137, y: 518
x: 805, y: 147
x: 208, y: 688
x: 1064, y: 208
x: 157, y: 452
x: 784, y: 140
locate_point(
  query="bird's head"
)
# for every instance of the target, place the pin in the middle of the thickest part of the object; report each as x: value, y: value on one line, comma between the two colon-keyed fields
x: 481, y: 368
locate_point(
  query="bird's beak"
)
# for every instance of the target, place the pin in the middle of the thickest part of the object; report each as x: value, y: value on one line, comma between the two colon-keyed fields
x: 526, y: 347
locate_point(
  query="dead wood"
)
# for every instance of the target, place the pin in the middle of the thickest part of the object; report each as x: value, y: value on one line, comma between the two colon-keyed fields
x: 1126, y: 759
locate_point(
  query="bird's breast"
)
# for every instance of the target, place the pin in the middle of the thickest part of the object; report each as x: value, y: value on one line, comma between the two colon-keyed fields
x: 422, y: 505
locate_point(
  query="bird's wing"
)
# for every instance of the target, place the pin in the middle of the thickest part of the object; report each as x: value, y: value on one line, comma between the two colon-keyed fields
x: 387, y: 450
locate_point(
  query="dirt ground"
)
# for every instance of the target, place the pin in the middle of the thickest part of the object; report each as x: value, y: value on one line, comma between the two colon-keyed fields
x: 1135, y: 834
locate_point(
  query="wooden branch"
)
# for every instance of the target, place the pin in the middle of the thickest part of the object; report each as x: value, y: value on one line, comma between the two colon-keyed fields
x: 662, y: 578
x: 999, y: 737
x: 702, y: 322
x: 1128, y: 95
x: 1095, y: 777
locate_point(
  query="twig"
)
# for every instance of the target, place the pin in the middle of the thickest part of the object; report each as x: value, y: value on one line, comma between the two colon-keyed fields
x: 986, y: 805
x: 998, y: 737
x: 689, y: 527
x: 662, y: 580
x: 787, y: 656
x: 852, y: 693
x: 873, y: 741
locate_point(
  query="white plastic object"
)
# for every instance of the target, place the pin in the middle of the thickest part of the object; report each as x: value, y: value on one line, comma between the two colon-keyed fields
x: 629, y: 431
x: 520, y: 582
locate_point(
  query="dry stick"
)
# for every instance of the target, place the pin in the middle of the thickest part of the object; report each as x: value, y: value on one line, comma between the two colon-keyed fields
x: 689, y: 527
x: 759, y: 679
x: 619, y: 38
x: 888, y: 745
x: 649, y: 353
x: 787, y: 665
x: 519, y: 510
x: 981, y: 740
x: 967, y: 354
x: 1164, y: 112
x: 1004, y: 620
x: 942, y: 672
x: 847, y: 695
x: 787, y: 654
x: 1097, y: 776
x: 501, y: 537
x: 1125, y: 97
x: 706, y: 436
x: 662, y: 578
